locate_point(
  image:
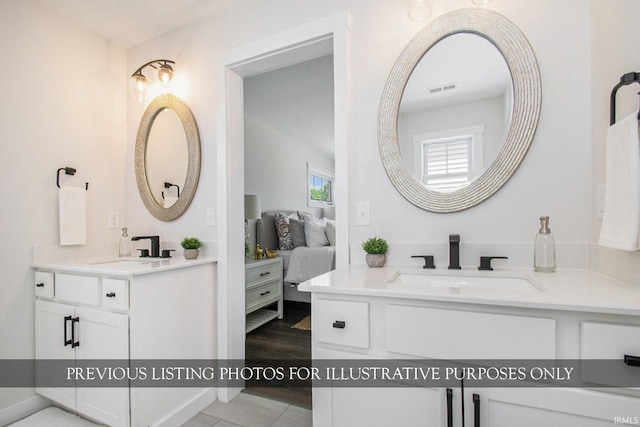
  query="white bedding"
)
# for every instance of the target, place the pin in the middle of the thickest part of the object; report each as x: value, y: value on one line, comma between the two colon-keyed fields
x: 306, y: 263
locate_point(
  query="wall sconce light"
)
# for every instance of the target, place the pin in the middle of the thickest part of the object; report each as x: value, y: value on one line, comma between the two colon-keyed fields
x: 139, y: 80
x: 420, y: 10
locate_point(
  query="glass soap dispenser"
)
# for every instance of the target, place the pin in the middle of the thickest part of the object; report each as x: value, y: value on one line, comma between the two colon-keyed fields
x: 544, y: 256
x: 125, y: 244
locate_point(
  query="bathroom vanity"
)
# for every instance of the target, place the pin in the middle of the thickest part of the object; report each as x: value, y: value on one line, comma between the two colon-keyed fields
x: 127, y: 309
x: 390, y: 314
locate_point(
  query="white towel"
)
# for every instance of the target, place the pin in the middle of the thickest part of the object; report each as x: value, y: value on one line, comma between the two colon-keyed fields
x: 169, y: 201
x: 621, y: 219
x: 72, y: 206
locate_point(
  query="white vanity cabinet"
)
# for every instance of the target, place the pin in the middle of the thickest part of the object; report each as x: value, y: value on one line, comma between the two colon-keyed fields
x: 157, y: 313
x: 387, y: 327
x: 79, y: 333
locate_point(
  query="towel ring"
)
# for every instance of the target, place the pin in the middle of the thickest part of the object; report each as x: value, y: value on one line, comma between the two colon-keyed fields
x: 68, y: 171
x: 626, y: 79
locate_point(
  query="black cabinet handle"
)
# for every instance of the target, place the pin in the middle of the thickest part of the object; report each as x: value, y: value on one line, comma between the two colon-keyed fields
x: 476, y: 410
x: 266, y: 273
x: 39, y: 285
x: 632, y: 360
x: 265, y: 293
x: 111, y: 295
x: 449, y: 407
x: 66, y: 340
x: 74, y: 343
x: 339, y: 324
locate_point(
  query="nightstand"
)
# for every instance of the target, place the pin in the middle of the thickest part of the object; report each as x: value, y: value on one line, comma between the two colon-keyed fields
x: 263, y: 288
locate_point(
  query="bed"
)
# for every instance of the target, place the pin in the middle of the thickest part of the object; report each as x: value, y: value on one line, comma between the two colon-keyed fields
x: 301, y: 262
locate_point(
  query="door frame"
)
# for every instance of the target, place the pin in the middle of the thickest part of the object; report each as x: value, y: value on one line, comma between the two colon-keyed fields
x: 265, y: 54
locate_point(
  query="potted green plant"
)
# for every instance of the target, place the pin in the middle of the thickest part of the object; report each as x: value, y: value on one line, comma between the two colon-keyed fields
x: 376, y: 248
x: 191, y: 246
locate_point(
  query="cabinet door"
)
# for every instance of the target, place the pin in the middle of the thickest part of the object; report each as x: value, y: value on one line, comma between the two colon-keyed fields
x: 403, y: 406
x: 103, y: 335
x: 529, y: 407
x: 50, y: 344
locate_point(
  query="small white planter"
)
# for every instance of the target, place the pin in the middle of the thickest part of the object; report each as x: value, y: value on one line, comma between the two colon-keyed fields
x: 376, y: 260
x: 191, y: 253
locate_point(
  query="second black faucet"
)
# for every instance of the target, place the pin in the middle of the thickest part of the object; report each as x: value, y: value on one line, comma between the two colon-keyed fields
x: 155, y: 244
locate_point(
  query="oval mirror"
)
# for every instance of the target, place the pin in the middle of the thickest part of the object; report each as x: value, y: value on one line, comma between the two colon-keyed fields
x: 167, y: 157
x: 459, y: 110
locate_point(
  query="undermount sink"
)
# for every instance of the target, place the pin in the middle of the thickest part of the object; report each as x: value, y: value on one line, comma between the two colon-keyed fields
x: 467, y: 281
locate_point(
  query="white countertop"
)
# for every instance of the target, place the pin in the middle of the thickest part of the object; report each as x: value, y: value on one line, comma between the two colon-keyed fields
x: 566, y: 289
x: 122, y: 266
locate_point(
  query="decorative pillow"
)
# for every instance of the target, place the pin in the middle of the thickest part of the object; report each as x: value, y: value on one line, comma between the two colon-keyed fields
x: 296, y: 228
x: 331, y: 232
x: 314, y: 233
x: 304, y: 216
x: 285, y: 242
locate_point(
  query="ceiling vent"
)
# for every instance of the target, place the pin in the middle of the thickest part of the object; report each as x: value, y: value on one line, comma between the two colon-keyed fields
x: 443, y: 88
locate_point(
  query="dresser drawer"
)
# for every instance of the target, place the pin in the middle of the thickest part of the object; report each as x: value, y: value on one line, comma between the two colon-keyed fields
x: 263, y: 294
x: 457, y: 334
x: 341, y: 322
x: 80, y: 289
x: 262, y: 273
x: 115, y: 294
x: 44, y: 284
x: 612, y: 342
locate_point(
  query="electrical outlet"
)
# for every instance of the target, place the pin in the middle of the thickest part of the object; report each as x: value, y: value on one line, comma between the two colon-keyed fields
x: 113, y: 219
x: 362, y: 213
x: 600, y: 200
x: 211, y: 217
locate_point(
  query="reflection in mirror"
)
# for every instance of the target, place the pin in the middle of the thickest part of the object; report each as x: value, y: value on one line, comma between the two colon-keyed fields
x: 454, y: 111
x: 519, y: 114
x: 166, y: 158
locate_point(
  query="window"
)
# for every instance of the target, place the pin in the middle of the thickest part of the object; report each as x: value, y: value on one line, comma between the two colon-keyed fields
x: 448, y: 160
x: 447, y: 163
x: 320, y: 186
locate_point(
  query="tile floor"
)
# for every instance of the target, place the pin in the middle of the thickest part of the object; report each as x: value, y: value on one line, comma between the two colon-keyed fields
x: 247, y: 410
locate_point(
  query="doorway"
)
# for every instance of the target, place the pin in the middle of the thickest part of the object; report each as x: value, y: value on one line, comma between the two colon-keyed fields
x: 266, y: 54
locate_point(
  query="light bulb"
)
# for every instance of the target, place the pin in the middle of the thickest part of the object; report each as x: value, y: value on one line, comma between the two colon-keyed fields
x: 140, y: 82
x: 420, y: 10
x: 480, y: 2
x: 165, y: 73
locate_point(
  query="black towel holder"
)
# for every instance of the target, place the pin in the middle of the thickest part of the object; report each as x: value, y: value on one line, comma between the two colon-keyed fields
x: 626, y: 79
x: 169, y: 185
x: 68, y: 171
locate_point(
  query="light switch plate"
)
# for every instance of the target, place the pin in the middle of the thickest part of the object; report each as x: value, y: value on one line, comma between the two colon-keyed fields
x: 362, y: 213
x: 211, y: 217
x: 113, y: 219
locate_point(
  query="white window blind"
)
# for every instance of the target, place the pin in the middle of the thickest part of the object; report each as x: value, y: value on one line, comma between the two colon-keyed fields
x: 447, y: 163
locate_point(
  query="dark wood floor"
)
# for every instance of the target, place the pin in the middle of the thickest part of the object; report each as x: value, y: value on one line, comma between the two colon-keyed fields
x: 277, y: 341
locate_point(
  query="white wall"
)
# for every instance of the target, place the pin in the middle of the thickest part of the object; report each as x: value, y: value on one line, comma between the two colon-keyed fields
x: 614, y: 52
x: 557, y: 167
x: 288, y: 123
x: 63, y: 105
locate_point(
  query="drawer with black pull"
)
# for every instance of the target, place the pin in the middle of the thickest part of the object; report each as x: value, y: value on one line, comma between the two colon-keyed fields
x: 257, y: 296
x: 115, y: 293
x: 341, y: 322
x: 261, y: 273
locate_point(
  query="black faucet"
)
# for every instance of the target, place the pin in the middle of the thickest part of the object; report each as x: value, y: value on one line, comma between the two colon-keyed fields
x: 155, y: 244
x: 454, y: 252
